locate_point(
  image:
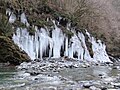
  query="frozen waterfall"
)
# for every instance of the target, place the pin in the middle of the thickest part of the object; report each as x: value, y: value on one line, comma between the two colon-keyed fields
x: 43, y: 44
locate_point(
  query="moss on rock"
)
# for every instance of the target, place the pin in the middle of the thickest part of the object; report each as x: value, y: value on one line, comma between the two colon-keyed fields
x: 9, y: 52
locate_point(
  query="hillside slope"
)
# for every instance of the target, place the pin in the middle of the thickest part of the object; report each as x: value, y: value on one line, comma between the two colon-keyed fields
x: 100, y: 17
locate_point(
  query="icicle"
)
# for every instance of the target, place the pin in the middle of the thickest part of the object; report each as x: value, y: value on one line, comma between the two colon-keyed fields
x: 24, y: 39
x: 24, y: 19
x: 58, y: 39
x: 66, y: 46
x: 16, y: 37
x: 86, y: 52
x: 44, y: 41
x: 75, y: 47
x: 36, y: 44
x: 30, y: 47
x: 12, y: 18
x: 70, y: 53
x: 8, y: 12
x: 51, y: 46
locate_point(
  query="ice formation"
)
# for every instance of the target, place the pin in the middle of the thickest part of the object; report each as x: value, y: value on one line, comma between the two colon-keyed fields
x: 43, y: 44
x: 24, y: 19
x: 12, y: 18
x: 11, y: 15
x: 99, y: 50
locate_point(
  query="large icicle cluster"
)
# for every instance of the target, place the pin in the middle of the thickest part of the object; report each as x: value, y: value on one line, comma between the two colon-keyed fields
x: 42, y: 43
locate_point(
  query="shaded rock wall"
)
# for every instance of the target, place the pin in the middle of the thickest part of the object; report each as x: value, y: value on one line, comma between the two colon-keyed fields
x: 9, y: 52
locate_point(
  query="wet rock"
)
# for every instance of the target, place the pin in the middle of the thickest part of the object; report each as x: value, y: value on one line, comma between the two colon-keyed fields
x: 87, y: 64
x: 116, y: 85
x: 37, y: 60
x: 87, y: 85
x: 84, y: 66
x: 36, y: 78
x: 18, y: 85
x: 115, y: 67
x: 96, y: 64
x: 94, y: 88
x: 24, y: 75
x: 76, y: 65
x: 103, y: 88
x: 49, y: 88
x: 107, y: 62
x: 52, y: 61
x: 34, y: 73
x: 71, y: 66
x: 100, y: 75
x: 109, y: 79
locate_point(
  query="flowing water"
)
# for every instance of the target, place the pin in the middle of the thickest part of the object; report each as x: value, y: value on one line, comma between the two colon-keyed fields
x: 8, y: 80
x: 6, y: 75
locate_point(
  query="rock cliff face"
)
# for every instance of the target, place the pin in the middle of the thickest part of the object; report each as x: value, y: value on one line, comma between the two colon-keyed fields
x: 9, y: 52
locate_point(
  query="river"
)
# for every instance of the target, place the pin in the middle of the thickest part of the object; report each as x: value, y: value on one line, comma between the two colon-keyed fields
x: 73, y: 78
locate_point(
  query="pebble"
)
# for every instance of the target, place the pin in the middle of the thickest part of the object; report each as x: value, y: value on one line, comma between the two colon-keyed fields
x: 87, y: 85
x: 49, y: 88
x: 84, y: 66
x: 26, y: 74
x: 34, y: 73
x: 92, y: 88
x: 115, y: 67
x: 100, y: 75
x: 116, y: 84
x: 103, y: 88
